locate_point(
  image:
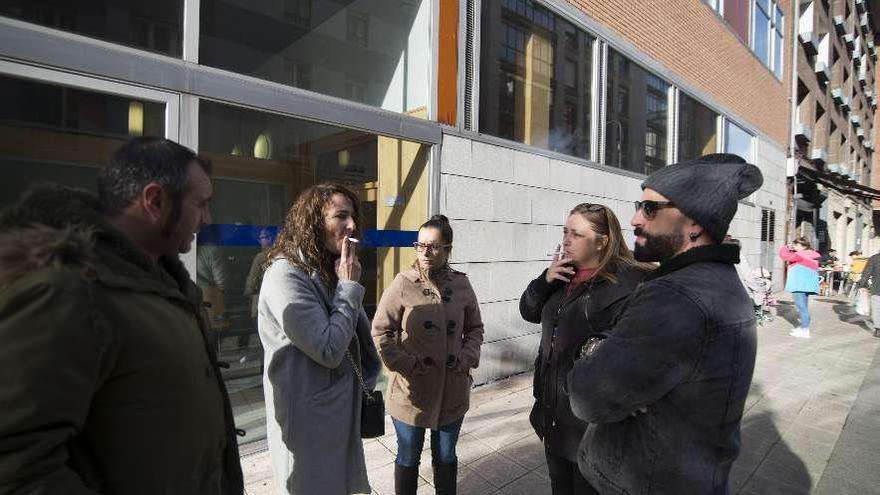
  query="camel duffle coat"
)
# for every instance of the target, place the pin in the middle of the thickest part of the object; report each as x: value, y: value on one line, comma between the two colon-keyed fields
x: 428, y: 334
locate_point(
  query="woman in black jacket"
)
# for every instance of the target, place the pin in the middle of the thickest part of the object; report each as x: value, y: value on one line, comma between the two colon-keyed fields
x: 592, y: 273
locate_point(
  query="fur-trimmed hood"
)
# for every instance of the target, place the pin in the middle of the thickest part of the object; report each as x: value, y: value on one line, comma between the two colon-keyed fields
x: 55, y: 226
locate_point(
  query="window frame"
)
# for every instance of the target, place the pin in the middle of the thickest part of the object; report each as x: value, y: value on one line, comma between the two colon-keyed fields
x: 775, y: 47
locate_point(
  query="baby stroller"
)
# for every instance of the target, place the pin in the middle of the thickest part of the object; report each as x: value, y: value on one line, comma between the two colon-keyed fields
x: 762, y: 295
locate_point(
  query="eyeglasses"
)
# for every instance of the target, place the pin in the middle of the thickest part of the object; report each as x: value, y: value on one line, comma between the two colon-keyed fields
x: 430, y: 247
x: 650, y: 208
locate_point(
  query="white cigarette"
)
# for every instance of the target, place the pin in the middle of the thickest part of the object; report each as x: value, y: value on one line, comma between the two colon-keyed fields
x: 352, y: 239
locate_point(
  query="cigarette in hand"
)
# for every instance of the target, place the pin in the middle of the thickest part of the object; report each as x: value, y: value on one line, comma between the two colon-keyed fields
x: 352, y: 239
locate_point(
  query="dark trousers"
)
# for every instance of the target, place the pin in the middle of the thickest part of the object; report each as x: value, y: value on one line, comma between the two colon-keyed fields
x: 566, y: 478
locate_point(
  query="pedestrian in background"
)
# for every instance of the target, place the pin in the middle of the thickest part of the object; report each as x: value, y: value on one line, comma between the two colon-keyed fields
x: 871, y: 279
x: 664, y: 389
x: 254, y: 279
x: 856, y: 266
x: 315, y: 332
x: 252, y: 283
x: 802, y: 281
x: 578, y: 295
x: 109, y: 384
x: 429, y: 331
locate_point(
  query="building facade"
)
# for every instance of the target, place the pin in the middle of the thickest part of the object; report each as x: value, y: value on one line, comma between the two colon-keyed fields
x: 833, y: 133
x: 502, y: 115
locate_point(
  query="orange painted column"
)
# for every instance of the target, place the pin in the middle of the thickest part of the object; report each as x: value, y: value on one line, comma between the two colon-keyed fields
x: 447, y: 62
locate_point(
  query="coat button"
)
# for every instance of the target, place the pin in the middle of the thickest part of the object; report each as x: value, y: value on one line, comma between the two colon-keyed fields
x: 428, y: 325
x: 450, y: 327
x: 450, y: 361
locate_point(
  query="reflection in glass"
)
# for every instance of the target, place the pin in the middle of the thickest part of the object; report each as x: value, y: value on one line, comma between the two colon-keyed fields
x: 739, y: 142
x: 261, y: 163
x: 51, y: 133
x: 375, y: 52
x: 637, y: 113
x: 777, y: 45
x: 696, y: 129
x: 761, y: 32
x: 535, y: 77
x: 156, y: 25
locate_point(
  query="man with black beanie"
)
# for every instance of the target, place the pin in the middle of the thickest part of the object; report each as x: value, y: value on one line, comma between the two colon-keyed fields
x: 664, y: 390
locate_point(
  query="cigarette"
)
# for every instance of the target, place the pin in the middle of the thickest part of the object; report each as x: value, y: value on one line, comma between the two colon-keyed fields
x: 352, y: 239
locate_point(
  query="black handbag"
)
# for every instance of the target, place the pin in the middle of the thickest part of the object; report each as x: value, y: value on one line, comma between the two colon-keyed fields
x: 372, y: 406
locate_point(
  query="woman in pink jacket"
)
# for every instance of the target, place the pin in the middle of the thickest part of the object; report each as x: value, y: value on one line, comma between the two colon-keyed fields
x: 803, y: 280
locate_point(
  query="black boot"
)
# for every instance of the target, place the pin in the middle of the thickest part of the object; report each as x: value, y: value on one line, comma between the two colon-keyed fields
x: 445, y: 478
x: 406, y: 479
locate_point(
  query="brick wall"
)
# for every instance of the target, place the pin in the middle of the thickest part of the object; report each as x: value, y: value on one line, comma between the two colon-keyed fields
x: 692, y: 41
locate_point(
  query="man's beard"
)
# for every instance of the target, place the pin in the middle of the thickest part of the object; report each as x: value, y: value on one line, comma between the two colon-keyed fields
x: 659, y: 247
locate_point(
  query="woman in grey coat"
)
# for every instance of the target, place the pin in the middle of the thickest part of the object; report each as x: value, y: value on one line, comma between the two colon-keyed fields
x: 314, y: 331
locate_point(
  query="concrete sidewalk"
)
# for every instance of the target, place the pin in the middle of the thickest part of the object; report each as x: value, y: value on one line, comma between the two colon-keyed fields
x: 812, y: 422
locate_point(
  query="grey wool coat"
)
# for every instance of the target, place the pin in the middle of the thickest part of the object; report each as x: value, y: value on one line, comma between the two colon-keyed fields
x: 313, y: 398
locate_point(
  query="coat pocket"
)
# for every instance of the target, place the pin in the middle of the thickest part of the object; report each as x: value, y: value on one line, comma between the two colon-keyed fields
x: 415, y: 389
x: 458, y: 389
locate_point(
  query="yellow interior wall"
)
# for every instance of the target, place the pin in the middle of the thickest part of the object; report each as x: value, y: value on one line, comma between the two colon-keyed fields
x: 403, y: 172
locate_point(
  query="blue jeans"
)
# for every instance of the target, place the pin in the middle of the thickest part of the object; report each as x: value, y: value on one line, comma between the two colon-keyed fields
x: 410, y: 440
x: 801, y: 303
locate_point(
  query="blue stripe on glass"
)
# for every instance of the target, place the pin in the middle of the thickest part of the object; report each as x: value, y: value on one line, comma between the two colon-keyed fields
x: 243, y: 235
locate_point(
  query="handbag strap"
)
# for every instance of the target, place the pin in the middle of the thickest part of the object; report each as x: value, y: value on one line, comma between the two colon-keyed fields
x: 357, y: 372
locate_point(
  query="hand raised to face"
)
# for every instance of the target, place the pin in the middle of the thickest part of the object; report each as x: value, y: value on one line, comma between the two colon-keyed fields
x: 348, y: 266
x: 560, y: 268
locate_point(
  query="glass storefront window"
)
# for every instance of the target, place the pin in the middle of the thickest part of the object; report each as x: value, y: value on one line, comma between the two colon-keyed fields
x: 739, y: 142
x: 156, y: 25
x: 370, y: 51
x: 262, y: 161
x: 535, y: 77
x: 637, y: 113
x: 697, y: 134
x: 53, y: 133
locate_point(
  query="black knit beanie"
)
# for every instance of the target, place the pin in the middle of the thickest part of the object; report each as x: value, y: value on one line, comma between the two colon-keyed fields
x: 707, y: 189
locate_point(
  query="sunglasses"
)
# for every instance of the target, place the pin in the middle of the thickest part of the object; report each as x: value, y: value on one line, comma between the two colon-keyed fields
x: 430, y: 247
x: 594, y: 207
x: 650, y: 208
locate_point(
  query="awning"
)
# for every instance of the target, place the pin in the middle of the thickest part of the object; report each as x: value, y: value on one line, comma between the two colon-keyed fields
x: 840, y: 184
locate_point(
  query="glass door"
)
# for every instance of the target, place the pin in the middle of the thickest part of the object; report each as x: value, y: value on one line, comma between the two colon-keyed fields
x: 262, y: 161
